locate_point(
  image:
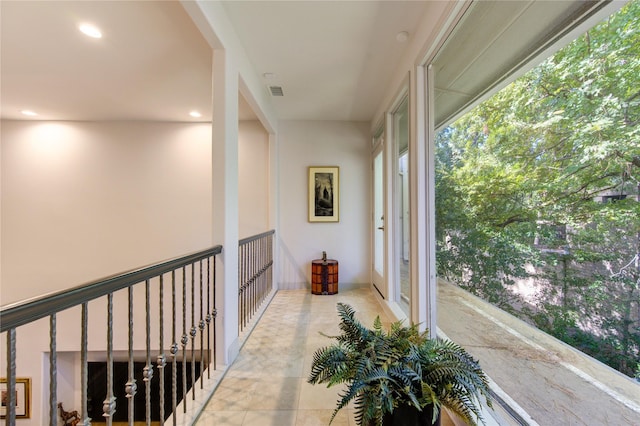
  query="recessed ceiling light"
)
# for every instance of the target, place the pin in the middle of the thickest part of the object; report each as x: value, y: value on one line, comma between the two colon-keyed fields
x: 28, y: 112
x: 90, y: 30
x: 195, y: 114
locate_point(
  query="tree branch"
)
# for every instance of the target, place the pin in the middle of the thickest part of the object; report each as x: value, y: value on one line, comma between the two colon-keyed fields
x: 512, y: 219
x: 582, y: 188
x: 635, y: 160
x: 632, y: 97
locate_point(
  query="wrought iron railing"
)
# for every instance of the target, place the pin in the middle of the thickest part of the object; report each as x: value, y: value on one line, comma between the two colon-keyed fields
x: 255, y: 274
x: 191, y: 281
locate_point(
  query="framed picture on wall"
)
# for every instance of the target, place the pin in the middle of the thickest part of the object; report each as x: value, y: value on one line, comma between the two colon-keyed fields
x: 22, y: 397
x: 324, y: 194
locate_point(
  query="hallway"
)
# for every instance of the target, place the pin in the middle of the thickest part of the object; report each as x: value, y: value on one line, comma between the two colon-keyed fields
x: 266, y: 385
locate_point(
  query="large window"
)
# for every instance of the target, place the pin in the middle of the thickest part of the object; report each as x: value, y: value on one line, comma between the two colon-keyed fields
x: 520, y: 186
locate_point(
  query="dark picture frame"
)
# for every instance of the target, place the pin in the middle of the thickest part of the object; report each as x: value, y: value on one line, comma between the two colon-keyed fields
x: 324, y: 194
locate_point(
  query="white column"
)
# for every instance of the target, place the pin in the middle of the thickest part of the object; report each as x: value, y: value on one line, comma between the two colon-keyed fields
x: 423, y: 249
x: 274, y: 215
x: 225, y: 199
x: 419, y: 261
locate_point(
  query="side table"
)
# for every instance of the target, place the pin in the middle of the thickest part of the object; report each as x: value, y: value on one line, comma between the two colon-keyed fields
x: 324, y: 276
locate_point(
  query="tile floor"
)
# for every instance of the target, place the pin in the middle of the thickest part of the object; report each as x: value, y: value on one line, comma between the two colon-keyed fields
x: 266, y: 385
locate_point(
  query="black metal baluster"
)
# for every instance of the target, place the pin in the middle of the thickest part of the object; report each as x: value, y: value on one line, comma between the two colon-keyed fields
x: 201, y: 326
x: 259, y: 290
x: 193, y: 332
x: 53, y: 370
x: 261, y: 262
x: 247, y: 284
x: 174, y: 350
x: 249, y: 281
x: 256, y: 275
x: 148, y: 368
x: 215, y: 315
x: 252, y: 278
x: 161, y: 360
x: 208, y: 318
x: 270, y: 262
x: 185, y: 339
x: 254, y: 264
x: 10, y: 413
x: 109, y: 404
x: 130, y: 386
x: 240, y: 288
x: 84, y: 365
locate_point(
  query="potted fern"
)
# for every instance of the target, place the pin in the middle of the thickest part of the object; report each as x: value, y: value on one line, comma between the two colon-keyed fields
x: 399, y: 376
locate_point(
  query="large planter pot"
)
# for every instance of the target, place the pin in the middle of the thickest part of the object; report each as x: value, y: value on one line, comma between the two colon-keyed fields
x: 405, y: 415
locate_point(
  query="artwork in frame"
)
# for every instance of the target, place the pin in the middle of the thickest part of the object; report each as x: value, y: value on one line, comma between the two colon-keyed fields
x: 324, y: 194
x: 22, y: 397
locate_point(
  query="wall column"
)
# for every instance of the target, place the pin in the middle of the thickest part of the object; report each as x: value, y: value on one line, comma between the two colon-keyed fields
x: 225, y: 198
x: 419, y: 222
x: 274, y: 202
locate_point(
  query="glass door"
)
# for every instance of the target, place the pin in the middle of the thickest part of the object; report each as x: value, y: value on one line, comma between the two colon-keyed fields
x: 402, y: 231
x: 378, y: 231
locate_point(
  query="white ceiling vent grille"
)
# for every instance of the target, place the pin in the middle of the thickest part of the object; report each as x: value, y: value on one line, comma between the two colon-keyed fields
x: 276, y: 90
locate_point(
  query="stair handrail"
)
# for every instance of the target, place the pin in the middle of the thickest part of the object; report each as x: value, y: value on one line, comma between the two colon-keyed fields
x: 256, y: 237
x: 23, y: 312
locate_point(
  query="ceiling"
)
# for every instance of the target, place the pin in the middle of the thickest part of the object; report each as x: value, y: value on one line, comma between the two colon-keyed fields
x: 151, y: 64
x: 333, y: 59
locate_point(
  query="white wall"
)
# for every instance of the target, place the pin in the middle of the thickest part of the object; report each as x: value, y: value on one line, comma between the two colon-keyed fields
x: 253, y: 179
x: 81, y: 201
x: 321, y: 143
x: 85, y: 200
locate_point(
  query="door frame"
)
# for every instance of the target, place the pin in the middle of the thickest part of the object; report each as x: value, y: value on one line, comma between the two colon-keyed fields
x: 378, y: 148
x: 394, y: 233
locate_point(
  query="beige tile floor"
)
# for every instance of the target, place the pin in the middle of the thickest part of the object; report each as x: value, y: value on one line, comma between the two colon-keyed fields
x: 266, y: 385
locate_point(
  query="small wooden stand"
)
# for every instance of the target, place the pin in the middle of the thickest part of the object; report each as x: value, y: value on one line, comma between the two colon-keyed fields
x: 324, y: 276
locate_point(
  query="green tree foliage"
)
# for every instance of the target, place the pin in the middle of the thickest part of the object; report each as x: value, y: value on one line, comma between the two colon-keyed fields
x: 518, y: 181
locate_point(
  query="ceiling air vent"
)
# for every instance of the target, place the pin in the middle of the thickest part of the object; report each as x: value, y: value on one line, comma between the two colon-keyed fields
x: 276, y: 90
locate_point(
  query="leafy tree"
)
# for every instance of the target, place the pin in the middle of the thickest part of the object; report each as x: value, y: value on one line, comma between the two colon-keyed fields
x: 517, y: 181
